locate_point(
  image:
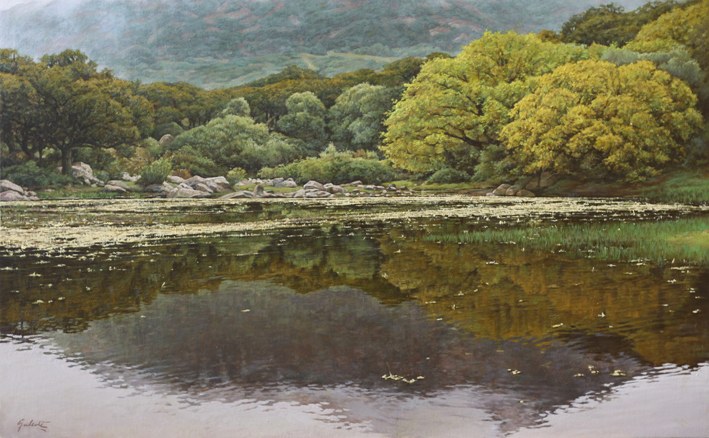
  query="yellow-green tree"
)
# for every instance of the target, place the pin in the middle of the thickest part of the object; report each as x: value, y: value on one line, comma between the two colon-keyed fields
x: 595, y: 119
x: 456, y: 107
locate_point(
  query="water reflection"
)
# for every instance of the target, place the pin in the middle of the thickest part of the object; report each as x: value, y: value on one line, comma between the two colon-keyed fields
x: 340, y: 306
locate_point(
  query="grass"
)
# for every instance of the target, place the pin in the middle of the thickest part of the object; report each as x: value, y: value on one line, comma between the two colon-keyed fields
x: 683, y: 239
x: 681, y: 186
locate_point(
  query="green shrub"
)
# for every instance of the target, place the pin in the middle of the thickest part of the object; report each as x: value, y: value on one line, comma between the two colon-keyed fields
x: 335, y: 167
x: 448, y: 176
x: 156, y: 172
x: 235, y: 175
x: 188, y: 160
x: 103, y: 175
x: 29, y: 175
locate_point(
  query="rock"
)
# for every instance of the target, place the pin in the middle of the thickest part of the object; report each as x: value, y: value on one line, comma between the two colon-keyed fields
x: 112, y: 188
x: 490, y: 194
x: 502, y: 190
x: 121, y: 184
x: 220, y: 189
x: 313, y: 185
x: 195, y: 179
x: 203, y: 188
x: 525, y: 193
x: 80, y: 170
x: 166, y: 140
x: 353, y: 184
x: 379, y: 187
x: 259, y: 190
x: 186, y: 192
x: 237, y: 195
x: 391, y: 187
x: 175, y: 179
x: 217, y: 181
x: 127, y: 177
x: 156, y: 188
x: 289, y: 183
x: 511, y: 191
x: 299, y: 194
x: 11, y: 195
x: 6, y: 185
x: 240, y: 184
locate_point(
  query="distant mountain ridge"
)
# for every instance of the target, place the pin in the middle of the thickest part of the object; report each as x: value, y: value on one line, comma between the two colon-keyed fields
x: 217, y: 43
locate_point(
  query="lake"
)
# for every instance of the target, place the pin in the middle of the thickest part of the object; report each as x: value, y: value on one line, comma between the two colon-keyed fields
x: 413, y: 317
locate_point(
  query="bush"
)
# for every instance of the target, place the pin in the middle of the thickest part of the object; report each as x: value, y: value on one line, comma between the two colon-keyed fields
x: 103, y: 175
x: 335, y: 167
x: 29, y: 175
x: 235, y: 175
x: 156, y: 172
x: 188, y: 160
x: 448, y: 176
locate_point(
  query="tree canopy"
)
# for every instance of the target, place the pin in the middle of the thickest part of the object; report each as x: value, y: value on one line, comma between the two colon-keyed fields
x: 63, y: 103
x: 593, y: 118
x: 456, y: 107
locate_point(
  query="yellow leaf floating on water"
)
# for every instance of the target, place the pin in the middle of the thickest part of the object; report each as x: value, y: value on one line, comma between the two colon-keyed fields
x: 558, y: 325
x: 38, y: 302
x: 514, y: 372
x: 696, y: 311
x: 34, y: 274
x: 579, y: 375
x: 246, y: 311
x: 618, y: 373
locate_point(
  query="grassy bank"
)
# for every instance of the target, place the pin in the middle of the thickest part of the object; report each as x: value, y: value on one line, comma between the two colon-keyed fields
x: 682, y: 240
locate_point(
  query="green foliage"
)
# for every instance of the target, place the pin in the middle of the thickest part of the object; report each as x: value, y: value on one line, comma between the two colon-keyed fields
x: 156, y: 172
x: 448, y: 176
x: 171, y: 128
x: 228, y: 142
x: 235, y: 175
x: 609, y: 24
x: 305, y: 121
x: 456, y: 107
x: 335, y: 167
x: 594, y: 119
x: 237, y: 107
x: 30, y: 175
x: 64, y: 103
x: 357, y: 118
x: 187, y: 160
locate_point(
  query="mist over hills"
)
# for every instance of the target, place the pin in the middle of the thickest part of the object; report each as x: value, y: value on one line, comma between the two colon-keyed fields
x: 219, y: 43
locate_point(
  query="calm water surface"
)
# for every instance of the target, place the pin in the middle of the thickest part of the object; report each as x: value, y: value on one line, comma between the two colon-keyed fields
x: 347, y: 329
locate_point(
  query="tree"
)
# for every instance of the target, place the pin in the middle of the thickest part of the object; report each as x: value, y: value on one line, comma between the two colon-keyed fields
x: 357, y: 118
x: 609, y: 24
x: 237, y: 107
x: 233, y: 141
x: 456, y: 107
x: 595, y: 119
x: 305, y: 122
x: 64, y: 103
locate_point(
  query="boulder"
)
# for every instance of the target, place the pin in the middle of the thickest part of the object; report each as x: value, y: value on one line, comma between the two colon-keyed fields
x: 6, y: 185
x: 353, y: 184
x: 259, y: 190
x: 221, y: 189
x: 511, y: 191
x: 121, y: 184
x: 175, y: 179
x: 202, y: 188
x: 525, y: 193
x: 166, y: 140
x: 128, y: 177
x: 299, y: 194
x: 195, y: 179
x: 11, y: 195
x: 501, y: 190
x: 313, y: 185
x: 156, y: 188
x: 289, y: 183
x: 186, y: 192
x: 112, y: 188
x: 391, y: 187
x: 217, y: 181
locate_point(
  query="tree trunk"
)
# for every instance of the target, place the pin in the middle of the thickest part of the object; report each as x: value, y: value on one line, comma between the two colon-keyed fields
x: 66, y: 161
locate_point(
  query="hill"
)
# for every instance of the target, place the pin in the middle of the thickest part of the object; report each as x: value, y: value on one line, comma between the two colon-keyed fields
x: 220, y: 43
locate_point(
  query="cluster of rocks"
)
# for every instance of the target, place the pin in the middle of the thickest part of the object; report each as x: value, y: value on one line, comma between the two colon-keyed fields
x: 10, y: 191
x: 525, y: 187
